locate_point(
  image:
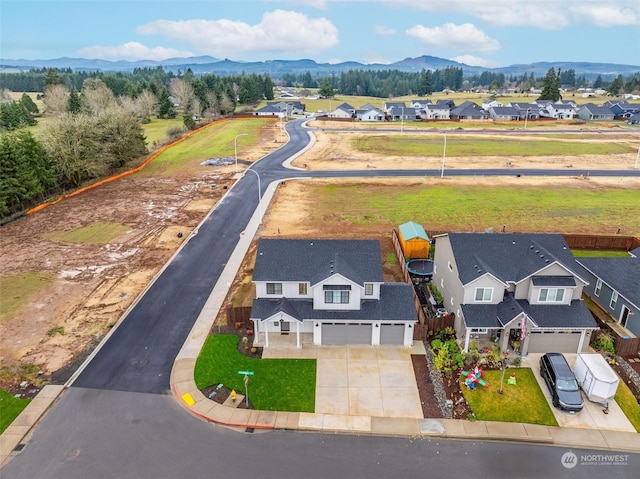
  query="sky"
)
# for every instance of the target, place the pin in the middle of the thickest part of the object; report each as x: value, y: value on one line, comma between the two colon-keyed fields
x: 489, y: 33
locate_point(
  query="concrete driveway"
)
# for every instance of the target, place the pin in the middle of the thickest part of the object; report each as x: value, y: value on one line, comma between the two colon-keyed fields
x: 591, y: 416
x: 374, y: 381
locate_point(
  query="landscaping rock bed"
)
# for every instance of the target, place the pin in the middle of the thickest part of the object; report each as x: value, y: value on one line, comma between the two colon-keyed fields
x: 220, y: 394
x: 628, y: 374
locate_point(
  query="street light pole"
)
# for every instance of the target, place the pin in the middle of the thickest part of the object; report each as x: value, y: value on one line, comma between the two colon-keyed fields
x: 444, y: 153
x: 259, y: 193
x: 402, y: 121
x: 235, y: 147
x: 635, y: 166
x: 526, y: 118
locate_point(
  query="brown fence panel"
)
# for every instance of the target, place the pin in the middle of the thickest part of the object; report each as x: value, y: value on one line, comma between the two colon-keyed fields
x: 239, y: 315
x: 625, y: 347
x: 609, y: 242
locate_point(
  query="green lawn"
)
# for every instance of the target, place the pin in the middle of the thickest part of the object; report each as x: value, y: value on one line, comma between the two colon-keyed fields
x: 10, y: 408
x: 278, y: 384
x: 599, y: 253
x: 474, y: 208
x: 18, y: 289
x: 96, y: 233
x: 407, y: 145
x: 214, y: 141
x: 523, y: 402
x: 156, y: 130
x: 629, y: 405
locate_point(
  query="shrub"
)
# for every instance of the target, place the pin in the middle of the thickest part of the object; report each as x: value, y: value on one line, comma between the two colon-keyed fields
x: 604, y: 343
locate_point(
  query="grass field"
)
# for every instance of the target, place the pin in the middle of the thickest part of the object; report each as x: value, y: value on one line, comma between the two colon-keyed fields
x: 598, y: 253
x: 214, y: 141
x: 523, y: 402
x: 10, y: 408
x: 278, y: 384
x: 96, y: 233
x: 471, y: 208
x: 18, y: 289
x: 407, y: 145
x: 629, y: 405
x: 156, y: 130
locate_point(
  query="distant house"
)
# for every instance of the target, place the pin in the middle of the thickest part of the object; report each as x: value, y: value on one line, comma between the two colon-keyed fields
x: 489, y: 103
x: 468, y: 111
x: 435, y: 112
x: 502, y: 113
x: 529, y: 111
x: 449, y: 103
x: 419, y: 104
x: 623, y: 109
x: 396, y: 110
x: 559, y: 111
x: 343, y: 111
x: 614, y: 283
x: 289, y: 107
x: 328, y: 292
x: 514, y: 288
x: 269, y: 110
x: 633, y: 119
x: 591, y: 111
x: 370, y: 114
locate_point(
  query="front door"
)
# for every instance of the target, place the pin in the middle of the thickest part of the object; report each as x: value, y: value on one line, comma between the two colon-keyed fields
x: 624, y: 316
x: 285, y: 327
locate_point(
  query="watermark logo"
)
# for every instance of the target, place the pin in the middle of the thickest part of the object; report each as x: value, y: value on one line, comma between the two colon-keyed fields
x: 569, y: 460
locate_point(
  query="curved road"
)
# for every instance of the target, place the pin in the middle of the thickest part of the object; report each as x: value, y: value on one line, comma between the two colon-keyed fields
x: 119, y: 420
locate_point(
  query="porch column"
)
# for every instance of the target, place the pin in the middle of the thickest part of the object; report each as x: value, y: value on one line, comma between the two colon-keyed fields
x: 467, y: 336
x: 256, y: 331
x: 504, y: 339
x: 581, y: 343
x: 298, y: 345
x: 266, y: 334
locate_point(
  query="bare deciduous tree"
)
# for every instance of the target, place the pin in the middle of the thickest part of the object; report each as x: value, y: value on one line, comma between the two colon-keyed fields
x: 55, y: 99
x: 96, y: 96
x: 182, y: 92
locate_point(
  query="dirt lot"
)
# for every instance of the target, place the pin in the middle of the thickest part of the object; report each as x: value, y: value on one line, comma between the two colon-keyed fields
x: 97, y: 283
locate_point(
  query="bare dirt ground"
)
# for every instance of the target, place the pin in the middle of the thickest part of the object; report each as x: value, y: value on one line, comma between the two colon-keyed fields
x: 97, y: 283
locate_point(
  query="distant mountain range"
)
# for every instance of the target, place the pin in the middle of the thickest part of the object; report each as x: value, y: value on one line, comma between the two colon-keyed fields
x: 207, y: 64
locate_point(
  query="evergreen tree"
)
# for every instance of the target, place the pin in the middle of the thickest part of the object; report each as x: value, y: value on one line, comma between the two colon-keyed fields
x: 598, y: 83
x: 550, y: 86
x: 326, y: 90
x: 616, y: 86
x: 165, y: 107
x: 73, y: 103
x: 52, y: 78
x: 29, y: 105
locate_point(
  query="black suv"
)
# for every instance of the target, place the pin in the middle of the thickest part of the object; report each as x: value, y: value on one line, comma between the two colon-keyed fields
x: 561, y: 382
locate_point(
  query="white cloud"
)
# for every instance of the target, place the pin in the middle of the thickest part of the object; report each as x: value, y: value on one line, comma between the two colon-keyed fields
x: 372, y: 57
x: 465, y: 37
x: 384, y: 31
x: 606, y: 15
x: 475, y: 61
x: 542, y: 14
x: 280, y: 31
x: 319, y: 4
x: 132, y: 51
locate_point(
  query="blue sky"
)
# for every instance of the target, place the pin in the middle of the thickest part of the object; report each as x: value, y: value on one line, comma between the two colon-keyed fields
x: 477, y: 32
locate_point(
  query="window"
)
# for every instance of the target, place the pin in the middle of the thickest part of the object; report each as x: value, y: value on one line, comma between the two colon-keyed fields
x: 480, y: 330
x: 368, y: 289
x: 336, y: 297
x: 598, y: 287
x: 614, y: 300
x: 274, y: 288
x: 551, y: 295
x: 302, y: 289
x: 484, y: 294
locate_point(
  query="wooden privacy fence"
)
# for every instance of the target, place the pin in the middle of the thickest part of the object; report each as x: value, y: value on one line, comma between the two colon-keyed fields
x: 239, y: 315
x: 610, y: 242
x: 407, y: 278
x: 624, y: 346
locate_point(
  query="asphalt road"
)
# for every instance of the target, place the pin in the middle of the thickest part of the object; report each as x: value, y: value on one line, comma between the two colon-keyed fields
x: 119, y: 420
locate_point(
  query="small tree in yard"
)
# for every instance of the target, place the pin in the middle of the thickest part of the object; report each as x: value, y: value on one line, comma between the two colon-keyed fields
x: 550, y: 86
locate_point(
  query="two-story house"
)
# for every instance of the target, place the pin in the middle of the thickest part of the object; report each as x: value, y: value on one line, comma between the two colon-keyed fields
x: 328, y: 292
x: 522, y: 291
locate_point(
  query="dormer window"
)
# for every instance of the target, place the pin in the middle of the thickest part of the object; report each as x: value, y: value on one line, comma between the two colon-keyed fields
x: 484, y: 295
x: 368, y: 289
x: 336, y: 294
x: 551, y: 295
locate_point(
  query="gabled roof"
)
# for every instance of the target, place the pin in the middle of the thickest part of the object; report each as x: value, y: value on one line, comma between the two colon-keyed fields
x: 345, y: 107
x: 269, y: 109
x: 315, y: 260
x: 510, y: 257
x: 394, y: 104
x: 524, y: 106
x: 412, y: 230
x: 369, y: 106
x: 449, y: 103
x: 596, y: 110
x: 395, y: 303
x: 504, y: 110
x: 635, y: 253
x: 621, y: 274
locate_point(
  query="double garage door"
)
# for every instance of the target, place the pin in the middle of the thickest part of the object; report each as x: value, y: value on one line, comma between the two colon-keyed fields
x: 558, y: 342
x: 359, y: 333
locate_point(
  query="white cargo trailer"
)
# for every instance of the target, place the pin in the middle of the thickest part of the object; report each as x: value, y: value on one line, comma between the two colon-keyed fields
x: 596, y: 378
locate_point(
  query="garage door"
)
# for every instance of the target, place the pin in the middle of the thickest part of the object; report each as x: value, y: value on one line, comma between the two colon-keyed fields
x: 392, y: 334
x: 346, y: 333
x: 557, y: 342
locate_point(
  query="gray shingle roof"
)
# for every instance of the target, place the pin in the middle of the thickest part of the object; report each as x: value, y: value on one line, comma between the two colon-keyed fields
x: 315, y: 260
x: 508, y: 256
x: 622, y: 274
x: 395, y: 304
